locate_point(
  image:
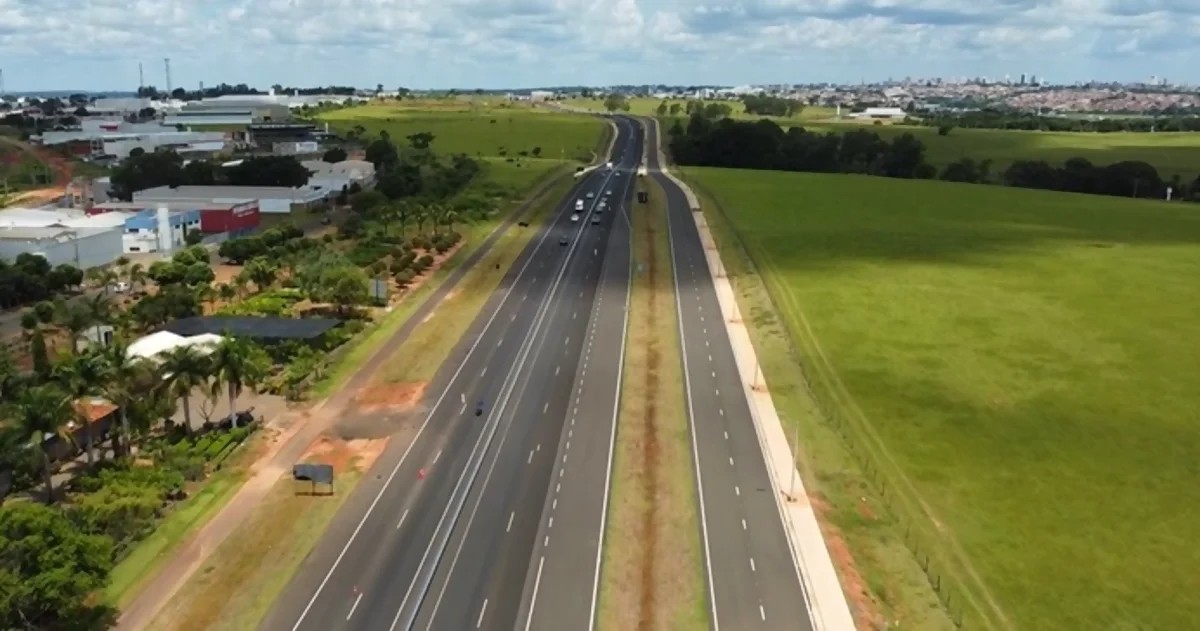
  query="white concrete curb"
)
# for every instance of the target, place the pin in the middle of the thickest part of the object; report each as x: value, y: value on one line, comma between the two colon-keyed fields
x: 826, y: 602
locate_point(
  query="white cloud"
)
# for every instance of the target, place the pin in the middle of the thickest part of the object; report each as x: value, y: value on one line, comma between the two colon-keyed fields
x: 97, y: 43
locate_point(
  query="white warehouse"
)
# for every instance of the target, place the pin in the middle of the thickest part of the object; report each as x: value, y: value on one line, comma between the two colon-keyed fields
x: 271, y: 199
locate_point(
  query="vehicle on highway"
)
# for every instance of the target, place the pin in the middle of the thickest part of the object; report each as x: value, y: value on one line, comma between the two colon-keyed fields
x: 608, y: 192
x: 479, y: 408
x: 609, y: 165
x: 590, y: 195
x: 564, y: 241
x: 596, y: 220
x: 579, y: 204
x: 574, y: 217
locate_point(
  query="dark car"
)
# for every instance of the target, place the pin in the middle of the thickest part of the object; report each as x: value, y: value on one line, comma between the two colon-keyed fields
x: 564, y: 241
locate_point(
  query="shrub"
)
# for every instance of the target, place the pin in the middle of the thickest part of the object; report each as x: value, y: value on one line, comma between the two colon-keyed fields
x: 422, y: 242
x: 405, y: 277
x: 397, y: 267
x: 419, y: 266
x: 425, y: 260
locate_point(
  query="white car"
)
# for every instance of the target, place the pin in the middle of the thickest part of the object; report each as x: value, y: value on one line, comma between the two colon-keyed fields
x: 590, y: 195
x: 574, y: 217
x: 608, y: 192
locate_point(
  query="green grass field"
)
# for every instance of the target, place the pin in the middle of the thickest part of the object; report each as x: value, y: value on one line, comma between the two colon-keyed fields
x: 1172, y: 153
x: 1015, y: 366
x: 478, y: 128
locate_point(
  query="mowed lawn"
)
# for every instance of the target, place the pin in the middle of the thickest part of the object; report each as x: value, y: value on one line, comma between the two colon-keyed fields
x: 1025, y: 360
x: 480, y: 128
x: 1172, y: 153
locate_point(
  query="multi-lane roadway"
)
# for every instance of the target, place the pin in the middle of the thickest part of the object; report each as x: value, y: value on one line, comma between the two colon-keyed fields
x: 496, y: 520
x: 752, y: 578
x: 441, y: 532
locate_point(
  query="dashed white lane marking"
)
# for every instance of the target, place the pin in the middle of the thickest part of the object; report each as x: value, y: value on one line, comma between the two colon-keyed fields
x: 560, y: 472
x: 714, y: 374
x: 551, y: 523
x: 510, y: 519
x: 706, y: 344
x: 762, y: 613
x: 558, y: 487
x: 437, y: 456
x: 545, y: 406
x: 500, y: 342
x: 554, y: 506
x: 710, y: 358
x: 752, y: 568
x: 743, y: 524
x: 737, y: 490
x: 731, y: 461
x: 402, y: 518
x: 354, y: 606
x: 546, y: 541
x: 530, y: 459
x: 482, y: 610
x: 721, y: 411
x: 726, y: 435
x: 484, y: 371
x: 573, y: 314
x: 556, y: 369
x: 539, y: 447
x: 718, y: 391
x: 568, y: 340
x: 513, y: 318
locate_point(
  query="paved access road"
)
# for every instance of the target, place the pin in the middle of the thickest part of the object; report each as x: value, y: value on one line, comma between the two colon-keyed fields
x: 752, y: 578
x: 450, y: 550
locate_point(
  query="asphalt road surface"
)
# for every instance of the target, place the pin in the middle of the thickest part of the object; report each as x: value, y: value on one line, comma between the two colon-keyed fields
x: 752, y: 579
x: 440, y: 533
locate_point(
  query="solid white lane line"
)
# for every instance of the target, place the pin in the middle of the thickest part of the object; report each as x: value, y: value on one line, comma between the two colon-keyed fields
x: 537, y: 581
x: 462, y: 410
x: 510, y: 519
x: 482, y: 609
x: 402, y: 518
x: 354, y: 606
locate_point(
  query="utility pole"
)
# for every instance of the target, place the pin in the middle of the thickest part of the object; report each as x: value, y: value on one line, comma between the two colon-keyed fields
x: 167, y: 65
x: 1, y: 83
x: 141, y: 78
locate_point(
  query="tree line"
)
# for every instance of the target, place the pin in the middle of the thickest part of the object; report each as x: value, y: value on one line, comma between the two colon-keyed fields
x: 29, y: 278
x: 1002, y: 119
x: 143, y: 170
x: 763, y: 144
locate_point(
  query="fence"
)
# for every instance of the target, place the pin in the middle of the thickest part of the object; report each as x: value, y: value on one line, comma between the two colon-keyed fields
x: 945, y: 565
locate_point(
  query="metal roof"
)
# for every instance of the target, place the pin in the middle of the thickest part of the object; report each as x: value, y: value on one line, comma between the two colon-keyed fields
x: 254, y: 327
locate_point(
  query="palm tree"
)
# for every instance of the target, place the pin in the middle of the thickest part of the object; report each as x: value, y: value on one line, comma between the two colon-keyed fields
x: 262, y: 272
x: 185, y: 369
x: 206, y: 294
x: 40, y: 412
x: 236, y: 364
x: 449, y: 217
x: 127, y: 380
x: 239, y: 284
x: 82, y: 377
x: 137, y: 276
x: 420, y: 214
x: 226, y: 292
x: 74, y: 317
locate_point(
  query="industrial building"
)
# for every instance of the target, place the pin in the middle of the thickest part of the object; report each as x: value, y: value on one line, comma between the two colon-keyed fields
x: 82, y: 247
x: 334, y: 176
x: 118, y: 138
x: 235, y: 217
x: 271, y: 199
x: 161, y: 229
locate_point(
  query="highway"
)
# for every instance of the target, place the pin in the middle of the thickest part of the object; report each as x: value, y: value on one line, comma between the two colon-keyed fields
x: 752, y: 578
x: 440, y: 533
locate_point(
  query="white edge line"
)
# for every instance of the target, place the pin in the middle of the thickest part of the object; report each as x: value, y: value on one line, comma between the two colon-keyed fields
x: 548, y: 229
x: 612, y: 440
x: 687, y: 381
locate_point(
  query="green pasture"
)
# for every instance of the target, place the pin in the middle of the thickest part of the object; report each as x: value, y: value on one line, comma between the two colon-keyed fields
x: 1172, y: 153
x: 647, y: 106
x: 478, y: 127
x: 1018, y: 370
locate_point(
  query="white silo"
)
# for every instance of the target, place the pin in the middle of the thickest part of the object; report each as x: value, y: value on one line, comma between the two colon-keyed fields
x: 166, y: 240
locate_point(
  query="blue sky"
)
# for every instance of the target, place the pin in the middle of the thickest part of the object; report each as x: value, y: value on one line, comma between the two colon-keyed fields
x: 97, y: 44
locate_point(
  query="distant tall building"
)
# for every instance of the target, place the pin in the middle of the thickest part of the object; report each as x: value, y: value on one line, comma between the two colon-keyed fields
x: 1022, y: 79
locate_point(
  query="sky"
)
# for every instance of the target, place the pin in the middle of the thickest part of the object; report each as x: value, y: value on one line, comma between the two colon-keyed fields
x: 97, y: 44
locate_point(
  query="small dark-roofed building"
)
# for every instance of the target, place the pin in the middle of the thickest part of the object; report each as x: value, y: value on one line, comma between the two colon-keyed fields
x: 259, y: 328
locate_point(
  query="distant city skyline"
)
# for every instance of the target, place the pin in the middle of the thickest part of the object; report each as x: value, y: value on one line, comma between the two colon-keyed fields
x: 96, y: 45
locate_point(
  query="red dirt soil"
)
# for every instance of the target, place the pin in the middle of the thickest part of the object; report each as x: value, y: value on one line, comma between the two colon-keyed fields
x: 862, y: 603
x: 392, y: 396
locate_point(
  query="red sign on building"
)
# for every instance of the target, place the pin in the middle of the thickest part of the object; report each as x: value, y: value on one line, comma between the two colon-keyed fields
x: 235, y: 218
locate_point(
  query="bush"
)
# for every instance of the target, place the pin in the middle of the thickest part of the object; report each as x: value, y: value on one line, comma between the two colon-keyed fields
x: 422, y: 242
x: 419, y: 266
x: 405, y: 277
x: 425, y: 260
x: 397, y: 267
x: 443, y: 245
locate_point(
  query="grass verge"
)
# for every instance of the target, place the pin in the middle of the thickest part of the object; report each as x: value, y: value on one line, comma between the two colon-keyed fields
x: 883, y: 581
x: 241, y: 578
x: 423, y: 352
x: 653, y: 578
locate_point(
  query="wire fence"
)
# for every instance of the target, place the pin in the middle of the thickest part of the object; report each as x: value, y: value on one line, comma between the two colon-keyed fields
x: 945, y: 566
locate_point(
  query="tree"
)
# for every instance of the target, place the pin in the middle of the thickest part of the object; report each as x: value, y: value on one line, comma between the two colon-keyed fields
x: 75, y: 317
x: 186, y: 369
x: 82, y: 377
x: 661, y: 110
x: 38, y: 354
x: 157, y: 168
x: 126, y: 380
x: 420, y: 140
x: 382, y: 153
x: 615, y: 101
x: 268, y: 171
x: 237, y: 364
x: 193, y: 237
x: 364, y: 202
x: 334, y: 154
x: 345, y: 287
x: 39, y: 412
x: 200, y: 173
x: 675, y: 109
x: 64, y: 276
x: 261, y: 272
x: 49, y: 570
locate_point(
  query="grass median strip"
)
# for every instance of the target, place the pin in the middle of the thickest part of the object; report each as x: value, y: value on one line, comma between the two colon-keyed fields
x: 652, y: 576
